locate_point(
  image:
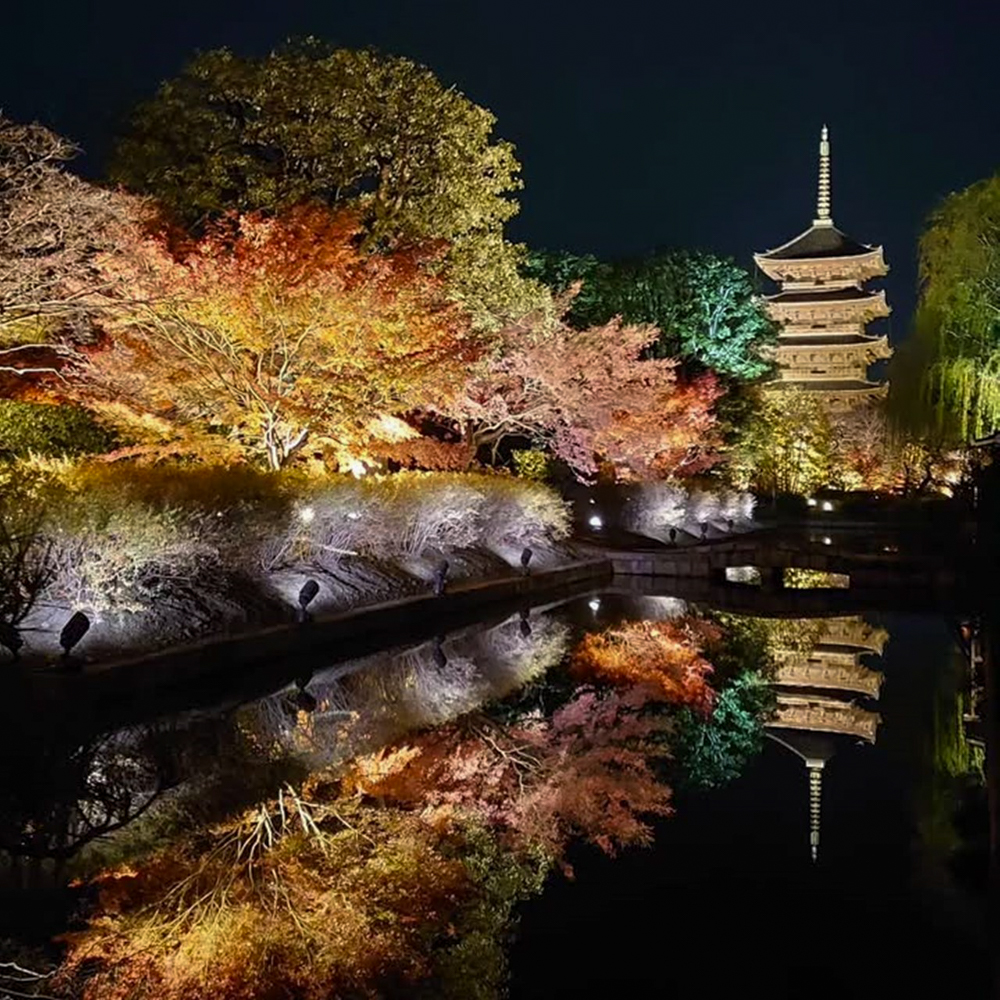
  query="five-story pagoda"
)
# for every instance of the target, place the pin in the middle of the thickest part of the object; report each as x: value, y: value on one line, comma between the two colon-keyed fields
x: 824, y: 308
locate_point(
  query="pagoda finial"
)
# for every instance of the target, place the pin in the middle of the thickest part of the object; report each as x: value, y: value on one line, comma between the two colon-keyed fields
x: 815, y: 770
x: 823, y: 199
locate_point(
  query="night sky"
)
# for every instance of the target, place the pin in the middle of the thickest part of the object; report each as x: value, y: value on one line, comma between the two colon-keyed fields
x: 639, y: 125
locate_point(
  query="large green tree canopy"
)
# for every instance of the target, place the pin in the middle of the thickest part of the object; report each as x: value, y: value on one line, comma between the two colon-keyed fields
x: 949, y: 374
x: 703, y: 305
x: 379, y: 133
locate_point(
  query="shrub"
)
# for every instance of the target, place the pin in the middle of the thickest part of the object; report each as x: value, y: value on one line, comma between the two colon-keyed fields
x: 531, y: 463
x: 653, y: 508
x: 118, y: 529
x: 518, y: 513
x: 48, y: 429
x: 412, y: 512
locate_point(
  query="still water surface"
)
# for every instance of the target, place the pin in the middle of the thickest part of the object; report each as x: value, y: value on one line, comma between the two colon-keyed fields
x: 872, y: 886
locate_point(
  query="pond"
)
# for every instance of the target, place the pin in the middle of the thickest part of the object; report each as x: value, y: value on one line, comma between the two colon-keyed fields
x: 620, y: 794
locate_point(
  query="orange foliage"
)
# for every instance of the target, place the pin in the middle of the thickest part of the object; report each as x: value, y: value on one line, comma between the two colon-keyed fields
x: 348, y: 910
x: 662, y: 657
x: 283, y: 331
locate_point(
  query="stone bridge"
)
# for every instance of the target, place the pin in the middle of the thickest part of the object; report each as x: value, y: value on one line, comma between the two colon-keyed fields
x: 876, y: 567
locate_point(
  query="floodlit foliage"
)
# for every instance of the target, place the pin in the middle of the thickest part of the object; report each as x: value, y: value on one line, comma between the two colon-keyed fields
x: 949, y: 375
x: 290, y: 899
x: 281, y: 332
x: 180, y: 540
x: 590, y: 397
x: 786, y: 447
x: 50, y: 429
x: 663, y: 658
x: 810, y: 579
x: 27, y: 565
x: 653, y: 508
x: 703, y: 306
x: 416, y: 159
x: 53, y: 230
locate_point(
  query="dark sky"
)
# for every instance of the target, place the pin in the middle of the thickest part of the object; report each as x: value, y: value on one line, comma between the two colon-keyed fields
x: 638, y: 124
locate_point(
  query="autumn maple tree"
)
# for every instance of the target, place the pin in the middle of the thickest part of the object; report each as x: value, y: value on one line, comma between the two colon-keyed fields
x: 664, y: 658
x: 589, y: 396
x: 280, y: 331
x: 54, y: 229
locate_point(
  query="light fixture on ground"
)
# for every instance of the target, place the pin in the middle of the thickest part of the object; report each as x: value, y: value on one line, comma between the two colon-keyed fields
x: 73, y: 631
x: 306, y: 596
x: 596, y: 521
x: 594, y: 603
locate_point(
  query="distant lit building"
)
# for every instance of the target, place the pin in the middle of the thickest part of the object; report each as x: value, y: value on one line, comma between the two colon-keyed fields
x: 824, y: 308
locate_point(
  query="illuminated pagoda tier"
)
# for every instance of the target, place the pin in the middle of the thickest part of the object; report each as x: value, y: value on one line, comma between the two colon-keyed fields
x: 816, y: 704
x: 824, y: 309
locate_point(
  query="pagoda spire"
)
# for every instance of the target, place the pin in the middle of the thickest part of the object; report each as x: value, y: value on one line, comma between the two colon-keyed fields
x: 815, y: 769
x: 823, y: 196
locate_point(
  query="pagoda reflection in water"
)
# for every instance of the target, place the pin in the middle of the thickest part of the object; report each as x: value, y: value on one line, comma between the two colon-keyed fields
x: 822, y: 692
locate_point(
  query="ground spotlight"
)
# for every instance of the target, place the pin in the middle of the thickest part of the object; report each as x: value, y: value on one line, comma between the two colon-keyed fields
x: 73, y: 631
x: 307, y: 595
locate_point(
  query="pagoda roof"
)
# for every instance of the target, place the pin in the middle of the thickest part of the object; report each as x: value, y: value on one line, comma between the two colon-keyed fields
x: 849, y: 294
x: 819, y: 242
x: 826, y: 339
x: 826, y: 385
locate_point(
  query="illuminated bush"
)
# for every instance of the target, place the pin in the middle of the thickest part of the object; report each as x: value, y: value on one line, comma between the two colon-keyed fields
x: 123, y: 535
x: 702, y: 508
x: 809, y: 579
x: 26, y: 556
x: 531, y: 463
x: 414, y: 513
x: 518, y: 513
x: 652, y: 509
x: 40, y: 429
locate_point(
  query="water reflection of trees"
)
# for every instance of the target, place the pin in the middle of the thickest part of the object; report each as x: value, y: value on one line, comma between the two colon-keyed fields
x: 60, y: 790
x: 398, y: 868
x: 359, y: 706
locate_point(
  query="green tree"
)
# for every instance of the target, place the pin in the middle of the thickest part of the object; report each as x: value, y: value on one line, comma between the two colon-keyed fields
x: 947, y: 377
x: 712, y: 752
x: 703, y: 305
x: 309, y: 123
